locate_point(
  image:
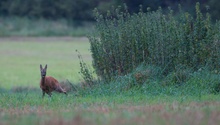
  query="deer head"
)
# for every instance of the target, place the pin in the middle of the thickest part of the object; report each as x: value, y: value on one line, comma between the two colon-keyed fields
x: 43, y: 71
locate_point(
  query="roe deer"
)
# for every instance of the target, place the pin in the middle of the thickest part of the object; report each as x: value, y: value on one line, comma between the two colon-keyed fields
x: 48, y: 83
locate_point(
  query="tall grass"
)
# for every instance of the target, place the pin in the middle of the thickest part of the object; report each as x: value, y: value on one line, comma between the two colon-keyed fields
x: 148, y: 81
x: 155, y: 38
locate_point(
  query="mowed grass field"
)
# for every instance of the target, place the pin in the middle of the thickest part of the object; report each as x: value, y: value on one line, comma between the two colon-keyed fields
x: 19, y: 66
x: 21, y: 58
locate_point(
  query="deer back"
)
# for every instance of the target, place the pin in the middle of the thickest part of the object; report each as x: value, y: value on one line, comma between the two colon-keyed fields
x: 49, y: 83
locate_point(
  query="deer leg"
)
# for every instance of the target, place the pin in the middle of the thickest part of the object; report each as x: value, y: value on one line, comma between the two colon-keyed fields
x: 43, y: 94
x: 50, y: 94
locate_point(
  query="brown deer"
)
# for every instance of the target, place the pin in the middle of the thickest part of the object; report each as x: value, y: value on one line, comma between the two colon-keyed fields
x: 48, y: 83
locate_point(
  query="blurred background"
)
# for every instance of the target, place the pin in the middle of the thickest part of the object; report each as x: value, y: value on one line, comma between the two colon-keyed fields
x: 75, y: 17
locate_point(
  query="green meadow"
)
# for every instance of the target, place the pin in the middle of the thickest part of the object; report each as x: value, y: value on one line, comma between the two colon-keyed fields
x: 21, y: 58
x: 30, y: 108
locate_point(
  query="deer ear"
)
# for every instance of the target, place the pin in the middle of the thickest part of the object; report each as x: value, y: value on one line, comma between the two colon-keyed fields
x: 41, y: 67
x: 45, y: 67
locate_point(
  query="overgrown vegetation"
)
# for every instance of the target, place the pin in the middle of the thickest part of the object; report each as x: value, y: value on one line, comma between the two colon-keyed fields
x: 180, y: 49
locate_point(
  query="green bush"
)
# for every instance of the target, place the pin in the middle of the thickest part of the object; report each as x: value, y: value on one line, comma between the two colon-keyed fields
x: 123, y: 41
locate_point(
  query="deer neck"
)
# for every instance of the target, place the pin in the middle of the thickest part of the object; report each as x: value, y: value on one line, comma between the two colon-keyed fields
x: 43, y: 80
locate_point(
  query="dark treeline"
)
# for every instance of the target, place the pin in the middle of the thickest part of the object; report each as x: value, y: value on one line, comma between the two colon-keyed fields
x: 82, y: 9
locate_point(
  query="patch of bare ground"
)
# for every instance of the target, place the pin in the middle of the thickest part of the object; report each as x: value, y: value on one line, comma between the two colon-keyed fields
x: 42, y: 39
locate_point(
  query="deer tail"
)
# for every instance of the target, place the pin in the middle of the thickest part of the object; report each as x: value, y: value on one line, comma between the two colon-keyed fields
x: 60, y: 90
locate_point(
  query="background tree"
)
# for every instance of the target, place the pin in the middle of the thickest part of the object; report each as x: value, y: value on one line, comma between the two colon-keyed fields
x: 82, y: 9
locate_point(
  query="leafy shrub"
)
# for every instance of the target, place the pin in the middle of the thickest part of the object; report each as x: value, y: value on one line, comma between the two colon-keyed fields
x: 216, y: 88
x: 85, y: 72
x: 123, y: 41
